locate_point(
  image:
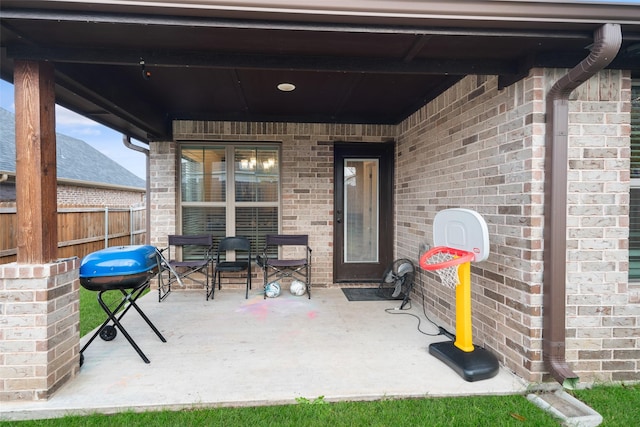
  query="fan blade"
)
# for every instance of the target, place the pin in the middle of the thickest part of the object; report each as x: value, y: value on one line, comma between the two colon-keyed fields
x: 405, y: 268
x: 398, y: 288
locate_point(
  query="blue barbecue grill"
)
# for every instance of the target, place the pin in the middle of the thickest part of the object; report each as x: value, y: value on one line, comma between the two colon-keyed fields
x: 128, y: 269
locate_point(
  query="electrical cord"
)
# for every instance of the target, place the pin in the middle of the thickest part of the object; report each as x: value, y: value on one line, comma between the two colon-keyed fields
x: 441, y: 330
x: 396, y: 311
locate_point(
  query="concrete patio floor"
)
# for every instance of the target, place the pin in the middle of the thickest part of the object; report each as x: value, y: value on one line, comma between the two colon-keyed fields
x: 246, y: 352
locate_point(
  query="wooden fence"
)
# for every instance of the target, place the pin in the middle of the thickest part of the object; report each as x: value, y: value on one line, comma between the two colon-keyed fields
x: 81, y: 230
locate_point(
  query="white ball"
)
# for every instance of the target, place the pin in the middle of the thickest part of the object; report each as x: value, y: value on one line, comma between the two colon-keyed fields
x: 272, y: 289
x: 298, y: 288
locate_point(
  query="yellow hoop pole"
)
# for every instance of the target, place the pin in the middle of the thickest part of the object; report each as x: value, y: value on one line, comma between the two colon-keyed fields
x: 464, y: 340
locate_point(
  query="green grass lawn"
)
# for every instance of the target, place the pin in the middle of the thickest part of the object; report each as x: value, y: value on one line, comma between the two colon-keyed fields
x: 617, y: 404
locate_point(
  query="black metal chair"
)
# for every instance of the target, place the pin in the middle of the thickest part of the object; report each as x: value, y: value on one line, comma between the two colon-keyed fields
x: 242, y: 248
x: 292, y: 258
x: 188, y: 256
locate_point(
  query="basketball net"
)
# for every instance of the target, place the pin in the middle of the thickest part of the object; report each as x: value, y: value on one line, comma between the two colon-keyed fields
x: 445, y: 262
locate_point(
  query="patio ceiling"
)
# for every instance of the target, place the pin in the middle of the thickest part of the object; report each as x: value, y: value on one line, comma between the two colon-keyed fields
x: 361, y: 62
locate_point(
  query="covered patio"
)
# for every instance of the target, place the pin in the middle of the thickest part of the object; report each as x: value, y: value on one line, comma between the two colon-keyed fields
x: 260, y: 352
x: 476, y: 105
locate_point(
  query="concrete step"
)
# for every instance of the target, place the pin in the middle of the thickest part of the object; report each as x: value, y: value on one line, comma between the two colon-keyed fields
x: 570, y: 411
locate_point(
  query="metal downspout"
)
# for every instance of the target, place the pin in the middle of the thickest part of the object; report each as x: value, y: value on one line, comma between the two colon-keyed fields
x: 126, y: 140
x: 607, y: 41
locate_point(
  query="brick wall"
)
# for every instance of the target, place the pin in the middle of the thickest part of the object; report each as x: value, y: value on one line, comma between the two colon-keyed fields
x: 40, y: 328
x: 92, y: 196
x: 603, y: 322
x: 477, y: 147
x: 162, y: 192
x: 306, y: 178
x: 481, y: 148
x: 82, y: 195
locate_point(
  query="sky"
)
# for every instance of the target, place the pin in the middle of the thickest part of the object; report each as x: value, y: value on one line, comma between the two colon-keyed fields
x: 102, y: 138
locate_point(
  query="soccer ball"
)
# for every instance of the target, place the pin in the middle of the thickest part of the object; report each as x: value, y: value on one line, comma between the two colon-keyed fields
x: 272, y: 289
x: 298, y: 288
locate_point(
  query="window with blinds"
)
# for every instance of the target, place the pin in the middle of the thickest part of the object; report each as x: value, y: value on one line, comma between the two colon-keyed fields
x: 223, y: 199
x: 634, y: 197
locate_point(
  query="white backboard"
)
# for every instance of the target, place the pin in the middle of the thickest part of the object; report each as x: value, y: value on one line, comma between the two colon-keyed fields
x: 462, y: 229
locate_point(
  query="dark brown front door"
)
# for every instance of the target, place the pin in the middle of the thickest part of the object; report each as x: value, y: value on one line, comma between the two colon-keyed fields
x: 363, y: 214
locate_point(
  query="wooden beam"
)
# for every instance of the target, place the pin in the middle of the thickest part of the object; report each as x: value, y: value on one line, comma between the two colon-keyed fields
x: 36, y: 186
x: 198, y: 59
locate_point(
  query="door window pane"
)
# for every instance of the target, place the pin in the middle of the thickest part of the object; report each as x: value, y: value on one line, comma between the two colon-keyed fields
x: 361, y: 197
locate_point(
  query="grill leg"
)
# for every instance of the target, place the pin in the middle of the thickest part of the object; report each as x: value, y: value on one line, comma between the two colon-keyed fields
x: 105, y: 323
x: 132, y: 303
x: 117, y: 323
x: 130, y: 298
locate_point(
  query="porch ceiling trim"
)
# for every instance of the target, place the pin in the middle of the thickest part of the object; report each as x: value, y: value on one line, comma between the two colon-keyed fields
x: 362, y: 10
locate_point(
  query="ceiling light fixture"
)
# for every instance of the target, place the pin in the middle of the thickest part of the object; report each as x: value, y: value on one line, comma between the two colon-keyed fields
x: 286, y: 87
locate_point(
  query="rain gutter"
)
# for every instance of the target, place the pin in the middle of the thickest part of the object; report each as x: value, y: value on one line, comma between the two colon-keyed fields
x: 607, y: 41
x: 126, y: 140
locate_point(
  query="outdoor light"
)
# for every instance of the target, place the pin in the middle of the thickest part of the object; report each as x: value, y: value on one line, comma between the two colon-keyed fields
x: 145, y: 73
x: 286, y: 87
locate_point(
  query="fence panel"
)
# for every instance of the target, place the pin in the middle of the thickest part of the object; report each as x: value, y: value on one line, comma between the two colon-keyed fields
x: 81, y: 230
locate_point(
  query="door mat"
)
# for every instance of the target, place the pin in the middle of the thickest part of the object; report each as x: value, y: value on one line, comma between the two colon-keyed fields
x: 366, y: 294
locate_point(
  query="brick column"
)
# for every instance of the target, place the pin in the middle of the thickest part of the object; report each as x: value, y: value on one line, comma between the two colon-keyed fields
x: 162, y: 191
x: 39, y: 328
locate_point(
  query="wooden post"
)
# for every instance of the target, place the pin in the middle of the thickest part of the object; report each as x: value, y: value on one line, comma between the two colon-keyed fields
x: 36, y: 177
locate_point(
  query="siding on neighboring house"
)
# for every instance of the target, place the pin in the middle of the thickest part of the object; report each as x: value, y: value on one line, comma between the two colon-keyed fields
x: 481, y: 148
x: 83, y: 195
x: 74, y: 195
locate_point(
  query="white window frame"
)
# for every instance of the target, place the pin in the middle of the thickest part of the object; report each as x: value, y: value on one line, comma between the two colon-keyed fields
x: 230, y: 204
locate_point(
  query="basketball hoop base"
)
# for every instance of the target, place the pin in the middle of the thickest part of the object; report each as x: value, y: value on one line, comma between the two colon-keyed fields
x: 475, y: 365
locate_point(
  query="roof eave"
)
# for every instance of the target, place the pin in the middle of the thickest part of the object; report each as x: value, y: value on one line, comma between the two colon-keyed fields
x: 408, y: 12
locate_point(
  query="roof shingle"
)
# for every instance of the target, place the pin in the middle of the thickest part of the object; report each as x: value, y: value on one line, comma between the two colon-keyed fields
x: 76, y: 159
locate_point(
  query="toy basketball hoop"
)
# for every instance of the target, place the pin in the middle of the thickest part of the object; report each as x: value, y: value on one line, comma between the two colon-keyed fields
x: 460, y: 236
x: 445, y: 262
